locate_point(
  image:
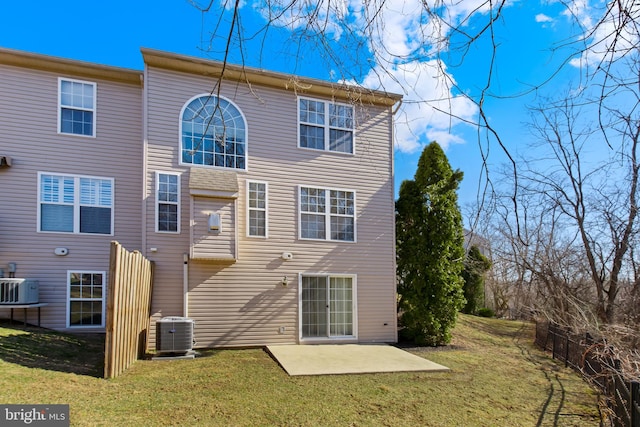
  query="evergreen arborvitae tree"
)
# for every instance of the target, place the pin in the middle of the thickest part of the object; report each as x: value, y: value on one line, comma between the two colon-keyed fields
x: 475, y: 266
x: 430, y: 250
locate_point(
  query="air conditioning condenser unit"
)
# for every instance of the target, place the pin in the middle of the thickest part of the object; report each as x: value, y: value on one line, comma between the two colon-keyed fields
x: 174, y: 335
x: 18, y: 291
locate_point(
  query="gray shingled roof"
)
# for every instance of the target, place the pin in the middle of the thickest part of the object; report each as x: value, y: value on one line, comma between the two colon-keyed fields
x: 213, y: 180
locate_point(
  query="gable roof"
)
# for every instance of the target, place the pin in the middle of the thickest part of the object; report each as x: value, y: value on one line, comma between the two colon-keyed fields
x: 256, y: 76
x: 54, y: 64
x: 188, y: 64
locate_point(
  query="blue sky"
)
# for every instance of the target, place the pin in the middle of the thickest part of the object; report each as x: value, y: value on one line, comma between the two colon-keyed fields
x: 111, y: 32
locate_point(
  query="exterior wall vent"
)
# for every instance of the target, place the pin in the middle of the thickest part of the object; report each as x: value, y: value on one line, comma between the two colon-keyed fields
x: 18, y: 291
x: 174, y: 335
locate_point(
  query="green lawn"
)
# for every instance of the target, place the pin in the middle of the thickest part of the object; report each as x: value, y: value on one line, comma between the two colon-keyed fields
x: 498, y: 379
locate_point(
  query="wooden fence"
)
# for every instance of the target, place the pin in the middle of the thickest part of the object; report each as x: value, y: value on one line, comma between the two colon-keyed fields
x: 579, y: 353
x: 128, y: 309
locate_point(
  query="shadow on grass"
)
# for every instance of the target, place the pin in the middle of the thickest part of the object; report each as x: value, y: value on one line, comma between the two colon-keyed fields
x: 552, y: 412
x: 40, y: 348
x: 494, y: 327
x: 409, y: 345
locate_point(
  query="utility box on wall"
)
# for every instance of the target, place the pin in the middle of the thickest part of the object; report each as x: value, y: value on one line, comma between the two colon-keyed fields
x: 214, y: 223
x: 213, y: 240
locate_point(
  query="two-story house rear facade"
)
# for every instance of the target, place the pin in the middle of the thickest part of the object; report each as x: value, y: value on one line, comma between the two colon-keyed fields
x: 265, y: 200
x: 73, y: 134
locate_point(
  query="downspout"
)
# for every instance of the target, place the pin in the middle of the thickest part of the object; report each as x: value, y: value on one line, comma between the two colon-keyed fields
x: 185, y: 285
x: 145, y: 149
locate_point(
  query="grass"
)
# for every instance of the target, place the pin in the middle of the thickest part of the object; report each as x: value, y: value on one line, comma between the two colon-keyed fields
x: 497, y: 378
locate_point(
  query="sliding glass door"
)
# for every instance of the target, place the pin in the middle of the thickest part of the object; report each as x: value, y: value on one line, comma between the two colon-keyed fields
x: 327, y: 306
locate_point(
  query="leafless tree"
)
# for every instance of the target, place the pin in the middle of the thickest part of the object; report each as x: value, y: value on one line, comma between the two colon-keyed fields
x: 539, y: 271
x: 577, y: 189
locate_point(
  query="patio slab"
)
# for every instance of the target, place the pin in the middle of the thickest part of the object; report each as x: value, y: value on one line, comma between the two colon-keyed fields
x: 348, y: 359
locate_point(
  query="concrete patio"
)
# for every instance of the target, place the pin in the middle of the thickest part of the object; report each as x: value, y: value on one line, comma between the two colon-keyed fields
x: 348, y: 359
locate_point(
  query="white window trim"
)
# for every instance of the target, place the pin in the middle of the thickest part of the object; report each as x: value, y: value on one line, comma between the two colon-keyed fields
x: 327, y: 127
x: 76, y: 204
x: 327, y: 214
x: 246, y: 135
x: 94, y: 109
x: 104, y: 299
x: 354, y: 308
x: 266, y: 210
x: 157, y: 204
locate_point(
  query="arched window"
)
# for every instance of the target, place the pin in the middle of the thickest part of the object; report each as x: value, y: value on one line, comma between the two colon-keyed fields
x: 213, y: 133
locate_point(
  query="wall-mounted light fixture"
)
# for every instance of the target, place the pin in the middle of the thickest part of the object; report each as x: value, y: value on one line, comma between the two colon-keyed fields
x: 285, y: 281
x: 5, y: 161
x: 61, y: 251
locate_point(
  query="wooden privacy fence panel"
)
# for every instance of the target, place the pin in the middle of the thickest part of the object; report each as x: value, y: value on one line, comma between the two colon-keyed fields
x: 623, y: 395
x: 128, y: 309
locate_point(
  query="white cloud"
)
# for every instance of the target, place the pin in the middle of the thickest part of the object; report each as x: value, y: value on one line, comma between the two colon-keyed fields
x: 322, y: 15
x: 429, y: 111
x: 541, y: 17
x: 609, y: 35
x: 580, y: 11
x: 403, y: 38
x: 401, y: 46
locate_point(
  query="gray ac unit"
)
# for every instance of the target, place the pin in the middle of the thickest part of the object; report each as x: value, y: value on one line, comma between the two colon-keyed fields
x: 18, y: 291
x: 174, y: 335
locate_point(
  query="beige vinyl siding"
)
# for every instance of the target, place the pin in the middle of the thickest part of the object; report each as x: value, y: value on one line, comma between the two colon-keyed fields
x: 244, y: 303
x: 162, y: 155
x: 28, y: 125
x: 213, y: 245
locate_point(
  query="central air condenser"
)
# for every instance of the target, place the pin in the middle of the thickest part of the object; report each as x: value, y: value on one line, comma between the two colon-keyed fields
x: 174, y: 335
x: 18, y: 291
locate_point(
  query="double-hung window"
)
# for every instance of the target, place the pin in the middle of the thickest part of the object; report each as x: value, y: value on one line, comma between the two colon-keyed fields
x: 257, y: 208
x: 77, y: 107
x: 75, y: 204
x: 167, y: 202
x: 327, y: 214
x: 325, y: 125
x: 86, y: 298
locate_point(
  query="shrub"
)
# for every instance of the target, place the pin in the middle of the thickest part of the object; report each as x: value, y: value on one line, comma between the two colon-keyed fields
x: 486, y: 312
